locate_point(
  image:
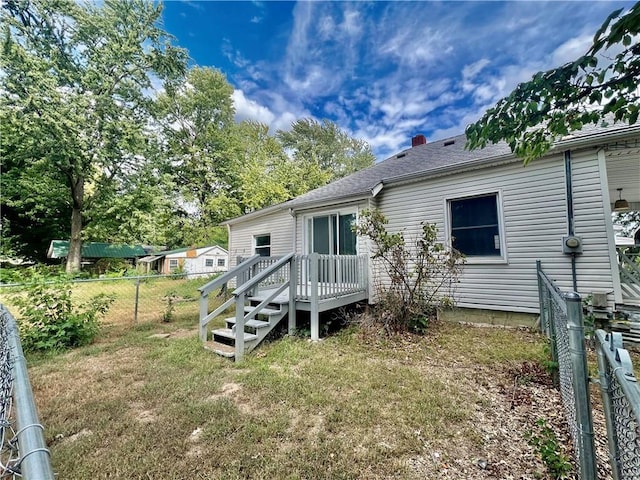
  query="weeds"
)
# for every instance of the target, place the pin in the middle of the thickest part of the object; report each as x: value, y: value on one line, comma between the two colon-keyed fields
x: 546, y: 443
x: 50, y: 320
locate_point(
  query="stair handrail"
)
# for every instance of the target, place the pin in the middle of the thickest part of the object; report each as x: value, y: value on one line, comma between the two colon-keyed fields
x: 225, y: 277
x: 235, y: 272
x: 240, y: 294
x: 267, y: 272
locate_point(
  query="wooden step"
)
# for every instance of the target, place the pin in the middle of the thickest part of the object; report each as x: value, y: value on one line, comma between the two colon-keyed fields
x: 249, y: 323
x: 265, y: 311
x: 258, y: 299
x: 231, y: 335
x: 221, y: 349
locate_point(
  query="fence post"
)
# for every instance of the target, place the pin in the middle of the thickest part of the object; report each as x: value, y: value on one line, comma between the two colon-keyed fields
x: 135, y: 309
x: 35, y: 459
x: 607, y: 406
x: 580, y: 380
x: 544, y: 321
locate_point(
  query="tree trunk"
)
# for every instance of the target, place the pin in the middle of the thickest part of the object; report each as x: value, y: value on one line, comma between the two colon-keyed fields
x: 75, y: 243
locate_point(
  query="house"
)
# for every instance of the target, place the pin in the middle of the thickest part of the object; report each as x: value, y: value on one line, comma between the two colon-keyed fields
x: 204, y: 260
x: 502, y: 215
x: 92, y: 251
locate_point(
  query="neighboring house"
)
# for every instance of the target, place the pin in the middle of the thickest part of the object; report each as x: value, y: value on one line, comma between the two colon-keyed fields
x: 190, y: 260
x: 502, y: 215
x: 92, y: 251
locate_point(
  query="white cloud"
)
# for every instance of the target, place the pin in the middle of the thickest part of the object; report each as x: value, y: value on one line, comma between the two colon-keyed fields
x: 250, y: 110
x: 571, y: 49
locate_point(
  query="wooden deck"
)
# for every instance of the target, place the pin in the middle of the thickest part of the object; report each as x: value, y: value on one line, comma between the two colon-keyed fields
x: 334, y: 295
x: 268, y: 289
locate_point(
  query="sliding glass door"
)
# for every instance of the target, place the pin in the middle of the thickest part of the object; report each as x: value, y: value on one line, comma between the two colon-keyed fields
x: 332, y: 234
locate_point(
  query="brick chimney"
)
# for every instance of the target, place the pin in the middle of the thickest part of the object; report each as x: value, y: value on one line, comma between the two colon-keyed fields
x: 418, y: 140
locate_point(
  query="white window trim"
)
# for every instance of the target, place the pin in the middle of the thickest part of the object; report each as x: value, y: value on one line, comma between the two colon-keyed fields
x: 323, y: 213
x: 479, y: 260
x: 207, y: 260
x: 254, y: 242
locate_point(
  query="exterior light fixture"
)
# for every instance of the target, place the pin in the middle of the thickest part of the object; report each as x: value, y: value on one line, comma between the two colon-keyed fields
x: 621, y: 204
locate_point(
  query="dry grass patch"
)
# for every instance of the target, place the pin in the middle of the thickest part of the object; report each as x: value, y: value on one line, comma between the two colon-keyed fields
x: 347, y: 407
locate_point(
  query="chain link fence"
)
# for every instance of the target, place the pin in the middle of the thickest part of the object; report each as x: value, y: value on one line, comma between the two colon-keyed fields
x: 621, y: 404
x: 561, y: 320
x: 135, y: 299
x: 23, y: 452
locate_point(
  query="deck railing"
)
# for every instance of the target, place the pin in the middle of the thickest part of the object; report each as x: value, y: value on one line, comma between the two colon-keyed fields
x: 629, y: 273
x: 317, y: 275
x: 330, y: 276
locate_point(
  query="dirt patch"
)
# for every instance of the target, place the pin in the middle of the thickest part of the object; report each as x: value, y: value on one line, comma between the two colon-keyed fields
x: 232, y: 391
x: 85, y: 432
x: 143, y: 415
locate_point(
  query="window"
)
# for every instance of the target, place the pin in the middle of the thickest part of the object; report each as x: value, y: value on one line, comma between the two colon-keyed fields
x: 221, y: 262
x: 262, y: 245
x: 173, y: 263
x: 475, y: 226
x: 208, y: 262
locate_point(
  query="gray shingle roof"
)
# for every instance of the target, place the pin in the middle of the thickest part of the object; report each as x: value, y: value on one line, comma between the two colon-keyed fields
x: 417, y: 161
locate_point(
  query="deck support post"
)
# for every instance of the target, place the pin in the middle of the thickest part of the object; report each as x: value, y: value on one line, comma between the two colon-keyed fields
x: 293, y: 291
x: 314, y: 260
x: 239, y: 327
x: 204, y: 311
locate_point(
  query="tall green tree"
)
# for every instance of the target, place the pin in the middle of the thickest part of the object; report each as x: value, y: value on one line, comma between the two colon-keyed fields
x: 325, y: 150
x: 600, y: 86
x: 196, y: 119
x: 76, y: 78
x: 266, y: 174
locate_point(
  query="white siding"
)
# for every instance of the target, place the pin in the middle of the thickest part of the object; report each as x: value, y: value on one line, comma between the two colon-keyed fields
x: 278, y: 224
x: 535, y: 219
x: 594, y: 264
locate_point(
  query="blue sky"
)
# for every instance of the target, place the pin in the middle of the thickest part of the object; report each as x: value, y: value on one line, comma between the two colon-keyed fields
x: 383, y: 71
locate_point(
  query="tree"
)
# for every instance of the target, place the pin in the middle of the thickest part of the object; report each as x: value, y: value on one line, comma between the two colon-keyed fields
x: 76, y: 78
x: 599, y: 87
x: 195, y: 120
x: 325, y: 150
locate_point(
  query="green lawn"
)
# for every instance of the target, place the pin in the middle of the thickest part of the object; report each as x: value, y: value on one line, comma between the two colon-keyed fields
x: 135, y: 405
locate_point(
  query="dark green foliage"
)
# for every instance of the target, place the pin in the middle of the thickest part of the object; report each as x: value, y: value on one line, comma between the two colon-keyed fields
x: 546, y: 443
x: 421, y: 274
x: 51, y: 321
x: 598, y: 87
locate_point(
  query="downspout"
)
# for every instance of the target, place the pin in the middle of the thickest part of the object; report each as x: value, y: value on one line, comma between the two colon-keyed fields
x: 570, y: 217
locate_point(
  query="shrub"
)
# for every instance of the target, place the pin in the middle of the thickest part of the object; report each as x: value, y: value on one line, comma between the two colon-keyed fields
x: 421, y: 274
x: 49, y: 320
